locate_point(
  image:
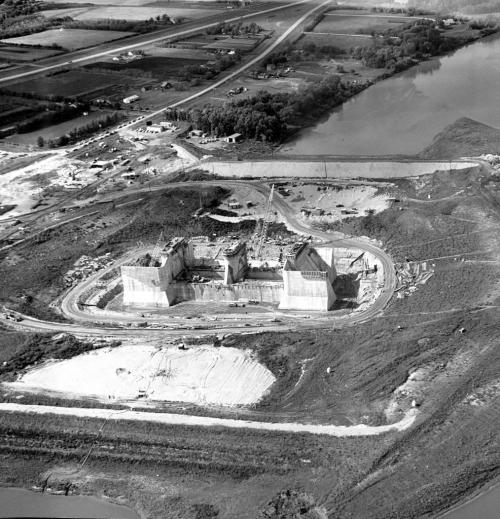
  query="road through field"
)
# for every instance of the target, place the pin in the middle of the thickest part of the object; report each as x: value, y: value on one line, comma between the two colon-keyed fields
x: 92, y: 55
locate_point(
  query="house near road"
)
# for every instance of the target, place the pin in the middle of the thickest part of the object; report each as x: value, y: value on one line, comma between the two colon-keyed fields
x: 131, y: 99
x: 234, y: 138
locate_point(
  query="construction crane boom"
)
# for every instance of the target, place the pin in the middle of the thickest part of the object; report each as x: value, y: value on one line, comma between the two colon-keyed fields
x: 160, y: 243
x: 265, y: 224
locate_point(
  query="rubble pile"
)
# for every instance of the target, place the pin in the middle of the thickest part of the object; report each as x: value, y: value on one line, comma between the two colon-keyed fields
x: 84, y: 267
x: 410, y: 275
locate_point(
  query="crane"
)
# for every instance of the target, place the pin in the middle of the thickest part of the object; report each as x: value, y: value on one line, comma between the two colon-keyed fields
x: 160, y: 243
x: 265, y: 224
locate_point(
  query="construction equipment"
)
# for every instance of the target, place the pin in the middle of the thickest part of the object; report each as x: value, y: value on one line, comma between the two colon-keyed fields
x: 160, y: 243
x: 265, y: 224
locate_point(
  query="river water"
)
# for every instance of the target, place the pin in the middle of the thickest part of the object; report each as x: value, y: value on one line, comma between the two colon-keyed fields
x: 16, y: 502
x: 401, y: 115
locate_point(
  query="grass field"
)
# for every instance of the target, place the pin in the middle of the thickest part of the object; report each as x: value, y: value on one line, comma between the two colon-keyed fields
x: 130, y: 12
x: 70, y: 39
x: 160, y: 67
x: 342, y: 42
x: 346, y: 24
x: 14, y: 53
x: 56, y: 130
x: 72, y: 83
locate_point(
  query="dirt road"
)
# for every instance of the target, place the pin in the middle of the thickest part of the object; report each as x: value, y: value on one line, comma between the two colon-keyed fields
x: 205, y: 421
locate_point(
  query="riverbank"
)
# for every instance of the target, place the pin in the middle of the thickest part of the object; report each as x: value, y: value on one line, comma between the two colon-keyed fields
x: 401, y: 115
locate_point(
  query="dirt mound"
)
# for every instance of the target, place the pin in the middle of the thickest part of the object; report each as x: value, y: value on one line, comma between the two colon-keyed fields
x: 464, y: 138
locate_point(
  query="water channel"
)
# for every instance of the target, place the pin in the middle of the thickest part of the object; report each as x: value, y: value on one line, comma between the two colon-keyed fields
x: 16, y: 502
x: 401, y: 115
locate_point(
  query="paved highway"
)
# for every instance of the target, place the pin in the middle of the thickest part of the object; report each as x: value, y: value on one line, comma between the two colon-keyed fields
x: 134, y: 42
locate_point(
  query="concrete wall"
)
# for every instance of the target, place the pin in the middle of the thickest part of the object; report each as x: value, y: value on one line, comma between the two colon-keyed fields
x: 236, y: 265
x: 264, y: 292
x: 146, y: 286
x: 265, y: 275
x: 327, y: 256
x: 303, y: 293
x: 333, y: 169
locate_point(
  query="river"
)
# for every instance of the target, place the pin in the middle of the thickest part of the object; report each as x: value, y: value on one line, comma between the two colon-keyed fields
x: 16, y: 502
x: 402, y: 114
x: 484, y: 506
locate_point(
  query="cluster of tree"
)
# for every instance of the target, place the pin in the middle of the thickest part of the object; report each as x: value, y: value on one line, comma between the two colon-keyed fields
x: 407, y: 11
x: 55, y: 114
x: 36, y: 95
x: 82, y: 132
x: 13, y: 8
x: 110, y: 24
x: 398, y: 49
x: 235, y: 29
x: 221, y: 63
x: 270, y: 117
x: 27, y: 24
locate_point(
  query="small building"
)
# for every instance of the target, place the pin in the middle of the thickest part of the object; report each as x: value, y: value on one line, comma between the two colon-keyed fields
x: 196, y: 133
x: 156, y: 128
x: 234, y: 205
x: 234, y: 138
x: 131, y: 99
x: 129, y: 175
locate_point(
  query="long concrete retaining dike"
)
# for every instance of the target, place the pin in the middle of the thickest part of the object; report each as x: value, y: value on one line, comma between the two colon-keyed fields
x: 333, y: 169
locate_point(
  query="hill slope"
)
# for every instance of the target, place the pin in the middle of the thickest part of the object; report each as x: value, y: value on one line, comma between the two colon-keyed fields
x: 464, y: 138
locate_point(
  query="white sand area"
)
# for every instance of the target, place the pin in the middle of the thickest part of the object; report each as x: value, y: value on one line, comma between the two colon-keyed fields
x: 201, y: 375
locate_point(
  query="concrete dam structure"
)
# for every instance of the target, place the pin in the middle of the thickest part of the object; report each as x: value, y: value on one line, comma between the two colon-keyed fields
x: 187, y: 270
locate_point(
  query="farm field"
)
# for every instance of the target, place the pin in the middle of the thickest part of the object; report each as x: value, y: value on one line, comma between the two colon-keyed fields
x: 345, y: 23
x: 161, y: 67
x: 341, y: 42
x: 69, y: 84
x: 70, y: 39
x: 142, y: 3
x: 56, y: 130
x: 14, y: 53
x: 130, y: 12
x: 174, y: 52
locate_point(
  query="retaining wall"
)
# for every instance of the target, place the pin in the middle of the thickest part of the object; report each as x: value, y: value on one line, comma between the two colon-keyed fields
x: 266, y: 293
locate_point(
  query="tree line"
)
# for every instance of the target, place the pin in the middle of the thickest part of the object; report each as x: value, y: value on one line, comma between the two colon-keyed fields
x: 77, y: 134
x: 56, y: 114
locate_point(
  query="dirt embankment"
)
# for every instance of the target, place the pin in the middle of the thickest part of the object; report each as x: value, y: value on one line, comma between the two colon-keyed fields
x: 464, y: 138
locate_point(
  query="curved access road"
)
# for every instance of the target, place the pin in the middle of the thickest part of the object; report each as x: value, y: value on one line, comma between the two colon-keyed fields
x: 105, y: 324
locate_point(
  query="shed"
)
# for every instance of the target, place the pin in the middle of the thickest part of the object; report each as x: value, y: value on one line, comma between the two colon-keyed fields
x: 234, y: 138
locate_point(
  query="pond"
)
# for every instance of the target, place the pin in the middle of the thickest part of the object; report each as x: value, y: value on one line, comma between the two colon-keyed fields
x: 16, y: 502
